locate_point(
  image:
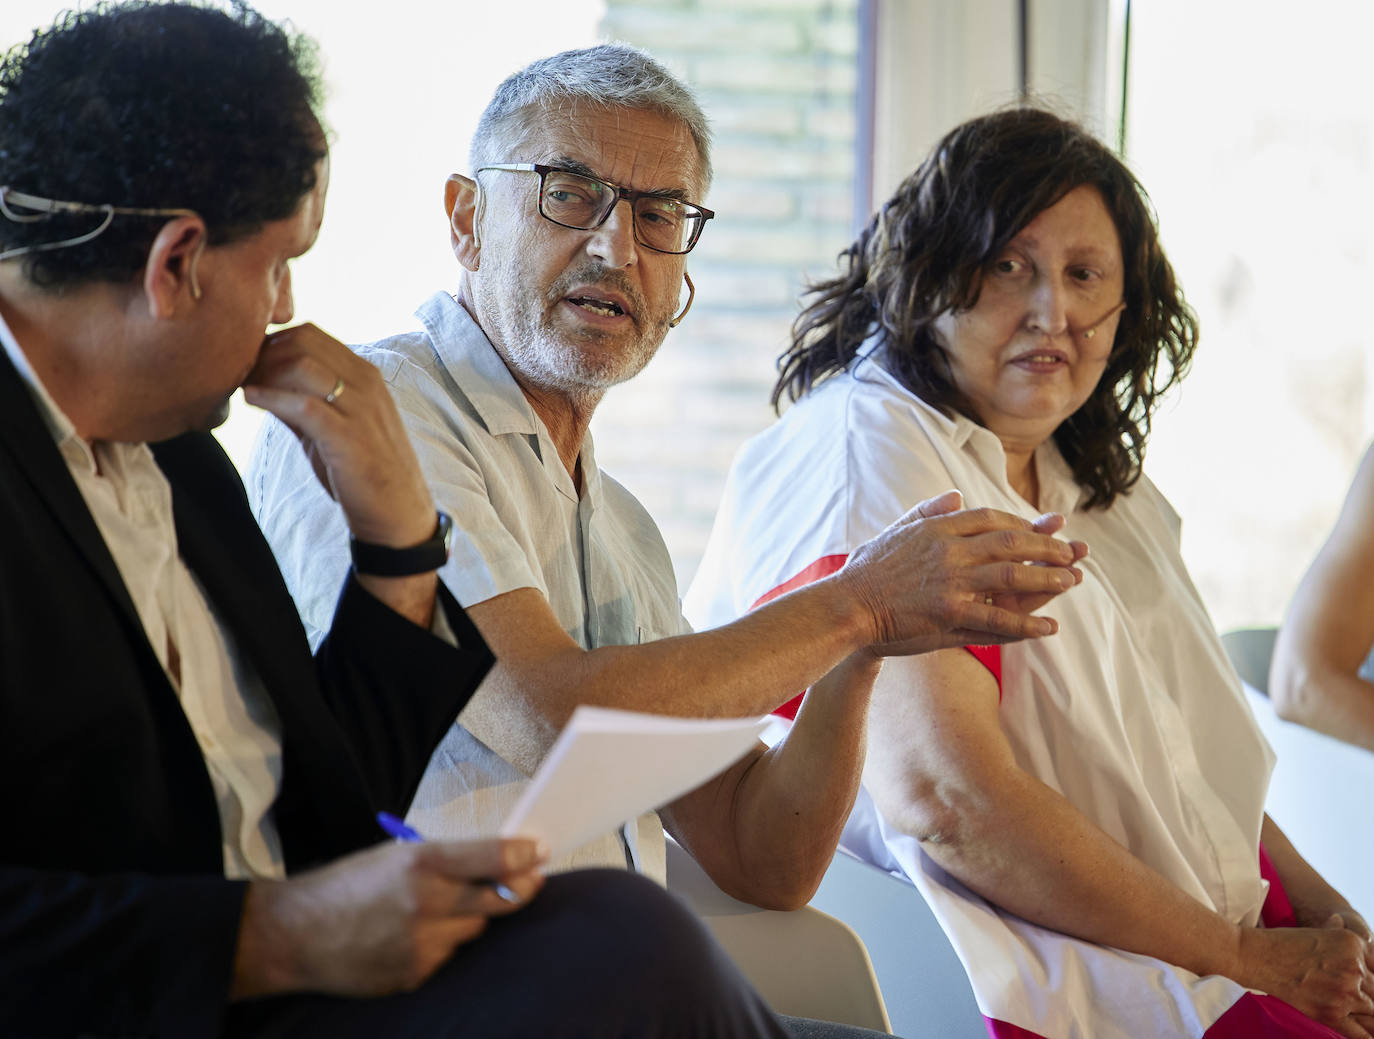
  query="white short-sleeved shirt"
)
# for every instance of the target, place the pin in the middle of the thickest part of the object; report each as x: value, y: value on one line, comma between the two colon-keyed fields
x: 519, y: 522
x: 1132, y: 711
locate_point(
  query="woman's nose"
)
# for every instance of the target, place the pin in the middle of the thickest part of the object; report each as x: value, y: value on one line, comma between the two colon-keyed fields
x: 1047, y: 311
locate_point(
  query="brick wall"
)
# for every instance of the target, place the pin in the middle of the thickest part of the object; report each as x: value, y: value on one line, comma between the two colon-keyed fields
x: 777, y: 79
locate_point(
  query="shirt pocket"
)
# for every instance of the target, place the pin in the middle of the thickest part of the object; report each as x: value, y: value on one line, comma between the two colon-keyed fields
x: 645, y: 634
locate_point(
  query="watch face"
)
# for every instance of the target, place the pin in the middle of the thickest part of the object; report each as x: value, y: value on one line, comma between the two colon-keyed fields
x: 445, y: 532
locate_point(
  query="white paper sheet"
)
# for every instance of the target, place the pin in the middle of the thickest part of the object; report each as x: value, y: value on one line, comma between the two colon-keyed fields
x: 609, y: 766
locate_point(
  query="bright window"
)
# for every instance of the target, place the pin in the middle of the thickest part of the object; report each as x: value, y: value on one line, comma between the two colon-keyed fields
x: 1254, y: 136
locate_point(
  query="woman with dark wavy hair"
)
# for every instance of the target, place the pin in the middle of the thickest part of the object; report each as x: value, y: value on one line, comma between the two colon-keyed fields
x: 1084, y: 813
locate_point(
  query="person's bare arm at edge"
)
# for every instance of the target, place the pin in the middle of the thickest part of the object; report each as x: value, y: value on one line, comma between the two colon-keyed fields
x: 378, y: 921
x: 918, y: 585
x: 1329, y: 629
x: 358, y: 447
x: 940, y: 768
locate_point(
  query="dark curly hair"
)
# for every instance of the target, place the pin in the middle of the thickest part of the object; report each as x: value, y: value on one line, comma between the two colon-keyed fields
x: 925, y: 252
x: 155, y: 105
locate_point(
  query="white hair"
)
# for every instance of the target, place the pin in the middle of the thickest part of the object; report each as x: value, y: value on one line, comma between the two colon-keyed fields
x: 609, y: 75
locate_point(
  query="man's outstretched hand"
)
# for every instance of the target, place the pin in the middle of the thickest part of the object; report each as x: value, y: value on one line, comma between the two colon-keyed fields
x: 939, y: 577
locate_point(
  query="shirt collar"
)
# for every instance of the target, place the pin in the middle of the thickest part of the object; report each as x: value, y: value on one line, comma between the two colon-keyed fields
x: 59, y: 425
x: 591, y: 475
x: 495, y: 395
x: 461, y: 343
x: 872, y: 364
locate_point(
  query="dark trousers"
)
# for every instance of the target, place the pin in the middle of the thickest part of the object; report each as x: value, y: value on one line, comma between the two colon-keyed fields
x: 598, y: 953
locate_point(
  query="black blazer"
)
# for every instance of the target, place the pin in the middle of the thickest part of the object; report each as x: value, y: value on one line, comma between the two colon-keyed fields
x: 115, y: 918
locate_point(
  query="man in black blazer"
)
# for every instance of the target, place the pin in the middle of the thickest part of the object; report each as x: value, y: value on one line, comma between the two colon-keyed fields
x: 189, y: 845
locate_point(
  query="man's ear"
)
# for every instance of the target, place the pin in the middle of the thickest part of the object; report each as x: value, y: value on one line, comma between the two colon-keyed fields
x: 170, y: 275
x: 464, y: 202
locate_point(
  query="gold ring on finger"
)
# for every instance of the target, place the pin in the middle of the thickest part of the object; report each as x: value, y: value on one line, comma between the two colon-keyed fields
x: 337, y: 392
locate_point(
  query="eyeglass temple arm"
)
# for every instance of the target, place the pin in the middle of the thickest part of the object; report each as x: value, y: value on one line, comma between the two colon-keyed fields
x: 691, y: 295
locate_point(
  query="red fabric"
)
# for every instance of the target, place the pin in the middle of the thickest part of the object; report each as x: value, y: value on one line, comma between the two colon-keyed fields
x: 1002, y: 1030
x: 991, y: 658
x: 1266, y: 1017
x: 1250, y: 1017
x: 1277, y: 910
x: 823, y: 567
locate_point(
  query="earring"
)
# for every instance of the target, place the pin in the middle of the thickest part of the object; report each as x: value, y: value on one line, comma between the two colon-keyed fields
x: 691, y: 295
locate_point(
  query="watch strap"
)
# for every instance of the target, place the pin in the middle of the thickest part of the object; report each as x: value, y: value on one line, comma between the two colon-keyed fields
x: 385, y: 561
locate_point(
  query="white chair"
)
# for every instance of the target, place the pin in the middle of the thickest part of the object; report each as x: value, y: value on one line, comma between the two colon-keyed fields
x: 1250, y: 650
x: 804, y: 963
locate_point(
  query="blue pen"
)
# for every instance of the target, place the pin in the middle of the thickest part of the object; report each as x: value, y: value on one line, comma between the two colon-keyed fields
x: 396, y: 827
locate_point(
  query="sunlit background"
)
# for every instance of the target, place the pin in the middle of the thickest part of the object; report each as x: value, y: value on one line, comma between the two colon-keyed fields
x: 1251, y: 126
x: 1248, y: 123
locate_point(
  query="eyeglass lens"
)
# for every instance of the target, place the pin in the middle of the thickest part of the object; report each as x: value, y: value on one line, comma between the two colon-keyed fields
x: 581, y: 202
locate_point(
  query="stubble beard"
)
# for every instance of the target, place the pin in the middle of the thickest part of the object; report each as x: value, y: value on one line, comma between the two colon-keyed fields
x: 583, y: 364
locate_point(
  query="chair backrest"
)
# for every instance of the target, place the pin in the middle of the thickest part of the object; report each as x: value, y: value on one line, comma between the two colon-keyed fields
x: 804, y: 963
x: 1250, y: 650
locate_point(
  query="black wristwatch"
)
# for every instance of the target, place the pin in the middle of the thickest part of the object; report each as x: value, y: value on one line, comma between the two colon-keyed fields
x: 383, y: 561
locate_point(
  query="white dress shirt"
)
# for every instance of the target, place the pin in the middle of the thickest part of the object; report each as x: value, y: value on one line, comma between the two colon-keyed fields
x: 227, y: 707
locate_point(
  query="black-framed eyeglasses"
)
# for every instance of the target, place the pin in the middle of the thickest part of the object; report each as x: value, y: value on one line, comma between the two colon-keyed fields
x: 661, y: 223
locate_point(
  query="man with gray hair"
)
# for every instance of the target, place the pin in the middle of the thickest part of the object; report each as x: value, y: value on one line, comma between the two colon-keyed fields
x: 564, y: 292
x: 191, y: 799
